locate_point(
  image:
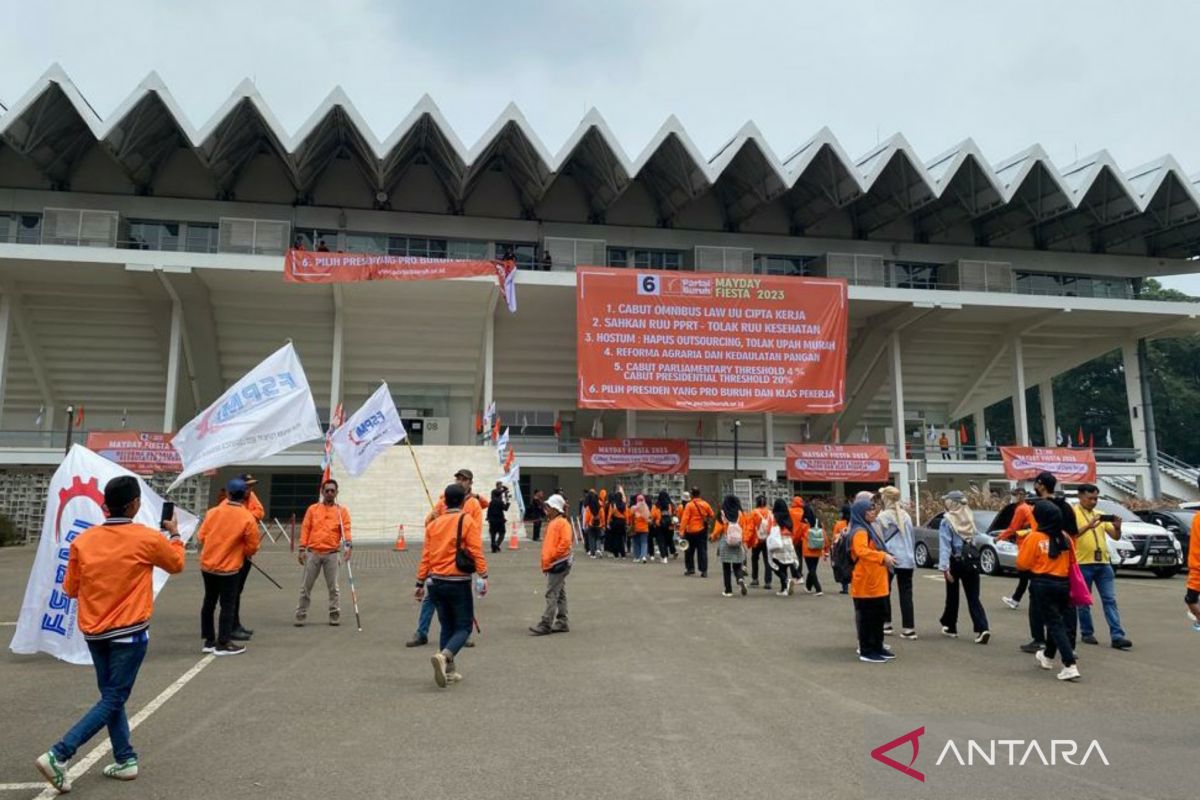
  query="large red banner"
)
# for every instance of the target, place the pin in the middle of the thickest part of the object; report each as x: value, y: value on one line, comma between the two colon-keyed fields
x: 671, y: 341
x: 1069, y: 466
x: 137, y: 451
x: 619, y: 456
x: 865, y: 463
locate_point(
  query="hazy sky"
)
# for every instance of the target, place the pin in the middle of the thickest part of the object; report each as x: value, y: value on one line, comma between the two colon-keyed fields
x: 1075, y: 77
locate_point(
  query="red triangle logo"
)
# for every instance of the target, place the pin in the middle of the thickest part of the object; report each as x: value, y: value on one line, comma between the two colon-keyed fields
x: 913, y: 737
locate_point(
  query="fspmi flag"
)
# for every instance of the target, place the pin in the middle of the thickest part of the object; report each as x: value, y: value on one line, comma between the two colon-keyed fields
x: 372, y: 429
x: 270, y: 409
x: 75, y: 503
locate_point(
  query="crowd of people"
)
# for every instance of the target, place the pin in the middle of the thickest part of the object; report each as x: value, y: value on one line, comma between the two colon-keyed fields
x: 1062, y: 554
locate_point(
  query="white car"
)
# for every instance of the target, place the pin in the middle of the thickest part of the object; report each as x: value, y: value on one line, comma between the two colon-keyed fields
x: 1142, y: 545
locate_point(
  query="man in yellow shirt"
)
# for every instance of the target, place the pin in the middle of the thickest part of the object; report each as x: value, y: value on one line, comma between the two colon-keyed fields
x: 1091, y: 550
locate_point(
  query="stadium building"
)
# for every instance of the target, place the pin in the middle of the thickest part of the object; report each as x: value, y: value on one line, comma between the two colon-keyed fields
x: 141, y: 273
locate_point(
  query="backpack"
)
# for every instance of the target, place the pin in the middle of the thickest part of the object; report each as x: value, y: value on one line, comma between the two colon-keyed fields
x: 843, y: 563
x: 733, y: 535
x: 816, y: 538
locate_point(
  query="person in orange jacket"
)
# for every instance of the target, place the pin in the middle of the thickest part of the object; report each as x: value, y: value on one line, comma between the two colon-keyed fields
x: 637, y: 517
x: 449, y: 582
x: 694, y: 523
x: 756, y: 541
x: 731, y: 555
x: 1191, y: 597
x: 593, y: 522
x: 255, y: 507
x: 109, y: 574
x: 800, y: 529
x: 556, y: 565
x: 869, y: 582
x: 1022, y: 521
x: 326, y: 529
x: 661, y: 526
x: 1046, y: 553
x: 228, y: 537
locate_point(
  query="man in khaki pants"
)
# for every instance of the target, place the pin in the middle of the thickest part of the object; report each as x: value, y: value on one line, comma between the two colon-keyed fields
x: 326, y: 529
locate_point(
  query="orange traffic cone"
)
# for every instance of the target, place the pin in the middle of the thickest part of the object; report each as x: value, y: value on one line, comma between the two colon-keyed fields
x: 512, y: 540
x: 401, y: 545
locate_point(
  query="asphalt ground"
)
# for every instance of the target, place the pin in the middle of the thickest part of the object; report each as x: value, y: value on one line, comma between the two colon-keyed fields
x: 662, y: 689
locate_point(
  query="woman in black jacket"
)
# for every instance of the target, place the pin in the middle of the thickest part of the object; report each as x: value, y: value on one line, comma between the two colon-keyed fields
x: 495, y: 515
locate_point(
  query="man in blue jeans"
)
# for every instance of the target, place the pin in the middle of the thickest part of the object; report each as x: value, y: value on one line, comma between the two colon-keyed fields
x: 1091, y: 550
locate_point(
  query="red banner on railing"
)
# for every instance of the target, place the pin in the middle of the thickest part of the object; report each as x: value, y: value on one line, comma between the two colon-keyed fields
x: 1068, y: 465
x: 837, y: 462
x: 137, y: 451
x: 620, y: 456
x: 683, y: 341
x: 307, y: 266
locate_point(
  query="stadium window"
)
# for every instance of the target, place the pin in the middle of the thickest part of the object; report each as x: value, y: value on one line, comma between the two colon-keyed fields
x: 152, y: 235
x: 915, y: 275
x: 201, y: 238
x: 467, y: 251
x: 29, y: 229
x: 312, y: 239
x: 366, y: 243
x: 524, y: 253
x: 292, y: 493
x: 658, y: 259
x: 795, y: 266
x: 618, y: 257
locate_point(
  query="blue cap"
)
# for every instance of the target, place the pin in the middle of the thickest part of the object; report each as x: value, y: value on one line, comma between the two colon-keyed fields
x: 235, y: 486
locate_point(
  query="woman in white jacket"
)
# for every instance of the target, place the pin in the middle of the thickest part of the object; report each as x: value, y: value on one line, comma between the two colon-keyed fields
x: 896, y: 530
x: 780, y: 548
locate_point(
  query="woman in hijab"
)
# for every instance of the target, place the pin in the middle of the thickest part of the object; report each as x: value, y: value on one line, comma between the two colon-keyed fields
x: 869, y: 582
x: 958, y: 559
x: 757, y: 541
x: 639, y: 525
x: 1046, y: 553
x: 593, y: 523
x: 780, y: 548
x: 731, y: 556
x: 896, y: 530
x: 660, y: 524
x: 616, y: 523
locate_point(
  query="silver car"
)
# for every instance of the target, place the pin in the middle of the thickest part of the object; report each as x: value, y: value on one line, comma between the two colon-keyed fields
x: 994, y: 556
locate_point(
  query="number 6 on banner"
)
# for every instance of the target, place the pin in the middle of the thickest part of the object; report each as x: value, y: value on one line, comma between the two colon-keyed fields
x: 648, y: 284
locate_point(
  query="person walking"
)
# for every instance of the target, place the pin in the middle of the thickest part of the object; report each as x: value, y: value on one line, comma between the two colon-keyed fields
x: 593, y: 523
x: 869, y: 582
x: 537, y: 513
x: 729, y: 533
x: 495, y: 516
x: 556, y: 566
x: 453, y: 552
x: 814, y: 546
x: 896, y: 531
x: 228, y: 537
x: 1044, y: 486
x: 694, y: 522
x: 781, y: 548
x: 944, y: 446
x: 1046, y: 553
x: 110, y: 569
x: 1091, y: 550
x: 756, y: 541
x: 617, y: 528
x: 840, y: 528
x: 661, y: 525
x: 958, y: 560
x: 638, y: 520
x: 1191, y: 597
x: 240, y: 632
x: 1020, y: 525
x: 325, y: 531
x: 800, y: 528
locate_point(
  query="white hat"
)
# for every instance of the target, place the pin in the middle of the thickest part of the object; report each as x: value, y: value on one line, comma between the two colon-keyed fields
x: 557, y: 502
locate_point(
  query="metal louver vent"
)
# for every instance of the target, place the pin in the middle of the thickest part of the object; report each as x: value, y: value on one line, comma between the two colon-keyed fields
x: 80, y: 227
x: 569, y: 253
x: 253, y: 236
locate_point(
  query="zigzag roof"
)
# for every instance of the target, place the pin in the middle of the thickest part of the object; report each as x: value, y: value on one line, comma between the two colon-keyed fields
x: 53, y: 125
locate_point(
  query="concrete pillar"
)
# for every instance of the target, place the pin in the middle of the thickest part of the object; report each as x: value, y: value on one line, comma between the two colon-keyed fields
x: 898, y: 399
x: 1020, y: 407
x: 1133, y: 391
x: 631, y: 424
x: 903, y: 480
x: 980, y: 435
x: 489, y: 352
x: 1049, y: 423
x: 5, y: 338
x: 769, y: 436
x: 335, y: 377
x: 174, y: 348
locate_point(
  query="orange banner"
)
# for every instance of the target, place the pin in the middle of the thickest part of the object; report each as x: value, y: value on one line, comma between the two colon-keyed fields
x: 672, y: 341
x: 867, y: 463
x: 1069, y: 466
x: 620, y: 456
x: 137, y: 451
x: 307, y: 266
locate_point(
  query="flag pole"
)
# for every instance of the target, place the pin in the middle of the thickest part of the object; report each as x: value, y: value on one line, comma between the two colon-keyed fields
x: 412, y: 451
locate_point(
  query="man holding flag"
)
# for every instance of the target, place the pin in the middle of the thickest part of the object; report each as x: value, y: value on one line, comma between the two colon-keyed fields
x: 326, y: 530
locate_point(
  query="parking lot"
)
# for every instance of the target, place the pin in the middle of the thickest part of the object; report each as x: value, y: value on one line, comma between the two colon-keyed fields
x: 663, y: 689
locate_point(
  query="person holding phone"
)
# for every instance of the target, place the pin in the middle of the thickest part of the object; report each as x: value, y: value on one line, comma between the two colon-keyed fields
x: 1091, y: 551
x: 228, y: 537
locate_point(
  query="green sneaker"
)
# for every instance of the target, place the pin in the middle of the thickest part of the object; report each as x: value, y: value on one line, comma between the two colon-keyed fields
x: 122, y: 771
x: 54, y: 771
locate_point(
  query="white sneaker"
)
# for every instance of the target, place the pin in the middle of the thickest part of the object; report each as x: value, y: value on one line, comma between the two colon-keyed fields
x: 782, y: 594
x: 726, y: 594
x: 54, y: 771
x: 439, y: 669
x: 947, y: 632
x: 122, y: 771
x: 1042, y: 661
x: 1070, y: 673
x: 664, y: 559
x: 1013, y: 604
x: 983, y: 638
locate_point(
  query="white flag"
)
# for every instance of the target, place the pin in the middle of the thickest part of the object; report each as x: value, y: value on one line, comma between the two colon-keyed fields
x: 488, y: 415
x: 597, y: 428
x: 987, y: 437
x: 1108, y: 437
x: 74, y: 503
x: 524, y: 423
x: 41, y: 415
x: 866, y: 437
x: 932, y: 434
x: 513, y: 479
x: 375, y: 427
x: 1058, y: 437
x: 502, y: 444
x: 270, y: 409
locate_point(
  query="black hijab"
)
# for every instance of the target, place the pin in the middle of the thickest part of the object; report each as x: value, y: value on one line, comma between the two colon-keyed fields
x: 1049, y: 520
